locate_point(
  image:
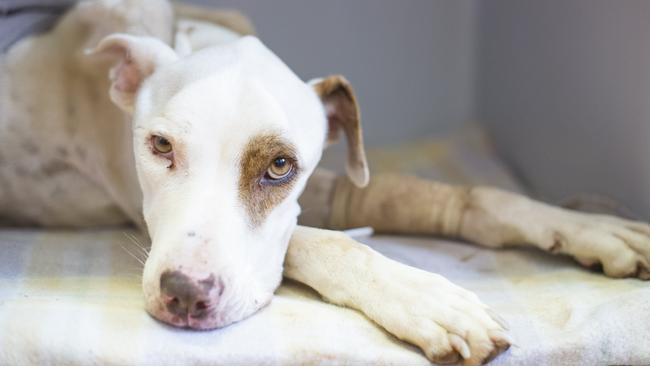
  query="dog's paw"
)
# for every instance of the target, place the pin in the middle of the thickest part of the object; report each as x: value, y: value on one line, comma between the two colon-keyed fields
x: 449, y: 323
x: 621, y: 247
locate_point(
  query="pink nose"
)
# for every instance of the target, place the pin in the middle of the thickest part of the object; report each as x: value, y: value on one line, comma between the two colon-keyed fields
x: 185, y: 297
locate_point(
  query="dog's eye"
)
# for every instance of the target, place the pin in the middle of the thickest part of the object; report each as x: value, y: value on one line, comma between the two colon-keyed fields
x: 279, y: 168
x: 161, y: 145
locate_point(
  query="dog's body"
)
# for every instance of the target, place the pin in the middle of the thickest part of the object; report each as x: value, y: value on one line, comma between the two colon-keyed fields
x: 219, y: 224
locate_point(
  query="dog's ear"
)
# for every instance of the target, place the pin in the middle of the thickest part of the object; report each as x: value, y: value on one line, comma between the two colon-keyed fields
x: 343, y: 114
x: 135, y: 58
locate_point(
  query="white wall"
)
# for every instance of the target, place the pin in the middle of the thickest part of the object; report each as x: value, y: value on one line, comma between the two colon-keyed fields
x: 410, y: 61
x: 565, y: 88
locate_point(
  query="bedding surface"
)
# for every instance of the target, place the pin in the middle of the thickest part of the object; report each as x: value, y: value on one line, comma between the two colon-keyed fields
x: 74, y: 298
x: 71, y: 298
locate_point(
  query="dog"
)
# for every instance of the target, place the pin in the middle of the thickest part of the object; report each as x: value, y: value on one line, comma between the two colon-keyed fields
x: 205, y: 139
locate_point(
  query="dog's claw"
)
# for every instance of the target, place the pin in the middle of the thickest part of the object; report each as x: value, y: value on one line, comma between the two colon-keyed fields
x: 459, y: 344
x: 500, y: 338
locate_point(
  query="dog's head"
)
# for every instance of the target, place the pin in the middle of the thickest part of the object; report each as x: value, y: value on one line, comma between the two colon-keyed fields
x: 224, y: 142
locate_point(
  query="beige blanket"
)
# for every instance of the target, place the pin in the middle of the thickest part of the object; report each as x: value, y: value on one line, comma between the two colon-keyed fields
x: 74, y: 298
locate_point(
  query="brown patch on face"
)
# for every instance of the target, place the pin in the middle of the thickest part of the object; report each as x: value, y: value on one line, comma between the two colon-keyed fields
x: 258, y: 193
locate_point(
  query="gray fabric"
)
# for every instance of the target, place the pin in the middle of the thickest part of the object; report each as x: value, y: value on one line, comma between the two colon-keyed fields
x: 20, y: 18
x: 9, y: 6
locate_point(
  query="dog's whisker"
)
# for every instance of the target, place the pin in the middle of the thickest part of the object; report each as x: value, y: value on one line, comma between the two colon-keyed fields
x: 131, y: 237
x: 133, y: 247
x: 142, y: 250
x: 135, y: 240
x: 137, y: 244
x: 133, y: 255
x: 142, y: 254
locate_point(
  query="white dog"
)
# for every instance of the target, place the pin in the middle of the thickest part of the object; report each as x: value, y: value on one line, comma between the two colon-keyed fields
x: 210, y: 147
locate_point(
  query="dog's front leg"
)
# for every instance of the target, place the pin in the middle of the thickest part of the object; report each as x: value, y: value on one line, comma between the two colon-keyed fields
x: 447, y: 322
x: 494, y: 218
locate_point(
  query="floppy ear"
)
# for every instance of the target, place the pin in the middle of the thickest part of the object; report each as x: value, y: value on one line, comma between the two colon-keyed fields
x: 136, y: 59
x: 343, y: 114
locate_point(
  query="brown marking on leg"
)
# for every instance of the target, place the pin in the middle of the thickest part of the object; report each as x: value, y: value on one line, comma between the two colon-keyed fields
x: 559, y: 242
